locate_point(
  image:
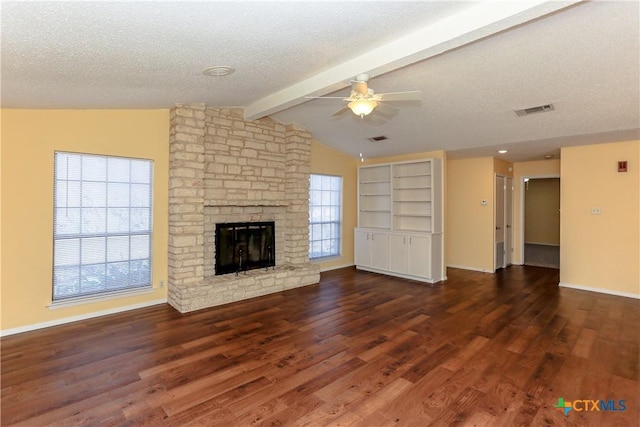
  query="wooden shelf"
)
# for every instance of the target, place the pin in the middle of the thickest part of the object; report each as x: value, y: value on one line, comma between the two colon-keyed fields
x: 412, y: 176
x: 375, y: 181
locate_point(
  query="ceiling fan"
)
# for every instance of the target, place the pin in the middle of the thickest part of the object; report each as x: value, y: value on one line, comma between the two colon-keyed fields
x: 363, y: 100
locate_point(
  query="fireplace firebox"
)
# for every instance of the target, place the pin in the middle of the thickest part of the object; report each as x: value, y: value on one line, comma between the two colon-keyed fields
x: 242, y: 246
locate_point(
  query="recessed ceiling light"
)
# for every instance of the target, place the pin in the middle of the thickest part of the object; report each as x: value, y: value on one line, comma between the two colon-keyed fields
x: 502, y: 151
x: 218, y: 71
x: 548, y: 156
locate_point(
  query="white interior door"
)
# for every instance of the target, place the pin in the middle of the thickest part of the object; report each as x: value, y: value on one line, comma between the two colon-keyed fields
x: 508, y: 238
x: 499, y: 222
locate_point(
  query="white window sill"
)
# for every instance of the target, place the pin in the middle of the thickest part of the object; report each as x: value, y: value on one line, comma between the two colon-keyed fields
x: 71, y: 302
x: 325, y: 259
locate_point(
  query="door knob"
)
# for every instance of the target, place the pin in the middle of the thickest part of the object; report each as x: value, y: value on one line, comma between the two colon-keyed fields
x: 498, y: 228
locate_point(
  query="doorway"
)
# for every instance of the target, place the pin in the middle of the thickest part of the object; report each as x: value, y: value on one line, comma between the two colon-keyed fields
x: 541, y: 221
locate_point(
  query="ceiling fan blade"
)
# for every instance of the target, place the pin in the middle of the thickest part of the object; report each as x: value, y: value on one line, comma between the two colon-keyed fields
x: 385, y: 110
x: 325, y: 97
x: 340, y: 112
x: 414, y: 95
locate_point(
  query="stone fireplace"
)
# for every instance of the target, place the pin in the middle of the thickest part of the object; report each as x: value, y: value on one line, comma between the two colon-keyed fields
x: 224, y: 169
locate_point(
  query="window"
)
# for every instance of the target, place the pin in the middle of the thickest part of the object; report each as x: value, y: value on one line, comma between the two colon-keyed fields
x: 325, y: 200
x: 102, y: 224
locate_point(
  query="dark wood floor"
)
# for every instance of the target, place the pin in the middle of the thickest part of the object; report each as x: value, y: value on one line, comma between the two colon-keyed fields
x: 358, y: 349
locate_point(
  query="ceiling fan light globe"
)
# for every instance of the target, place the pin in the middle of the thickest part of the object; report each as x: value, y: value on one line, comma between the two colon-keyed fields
x: 362, y: 107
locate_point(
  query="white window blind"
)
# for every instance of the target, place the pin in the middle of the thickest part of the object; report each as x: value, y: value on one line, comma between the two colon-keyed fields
x: 102, y: 224
x: 325, y: 211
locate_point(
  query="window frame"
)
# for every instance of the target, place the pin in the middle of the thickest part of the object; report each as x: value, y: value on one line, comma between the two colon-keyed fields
x: 336, y: 223
x: 123, y: 283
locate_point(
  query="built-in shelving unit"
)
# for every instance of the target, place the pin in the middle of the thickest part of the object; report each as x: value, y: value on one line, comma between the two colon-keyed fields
x: 403, y: 200
x: 374, y: 197
x: 414, y: 185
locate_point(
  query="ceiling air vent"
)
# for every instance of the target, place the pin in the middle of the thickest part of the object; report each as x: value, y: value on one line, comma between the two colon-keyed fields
x: 377, y: 138
x: 534, y: 110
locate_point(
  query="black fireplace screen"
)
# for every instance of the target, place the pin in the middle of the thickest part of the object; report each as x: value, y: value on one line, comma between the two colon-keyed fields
x: 242, y: 246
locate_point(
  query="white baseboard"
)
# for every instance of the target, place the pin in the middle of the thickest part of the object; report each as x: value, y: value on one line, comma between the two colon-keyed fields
x: 599, y: 290
x: 464, y: 267
x: 18, y: 330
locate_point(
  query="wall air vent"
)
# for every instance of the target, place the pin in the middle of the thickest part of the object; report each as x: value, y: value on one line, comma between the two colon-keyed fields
x: 533, y: 110
x: 377, y: 138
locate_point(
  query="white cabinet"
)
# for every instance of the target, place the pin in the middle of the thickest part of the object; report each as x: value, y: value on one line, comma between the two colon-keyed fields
x: 398, y: 254
x: 400, y: 205
x: 372, y: 249
x: 410, y: 254
x: 420, y: 256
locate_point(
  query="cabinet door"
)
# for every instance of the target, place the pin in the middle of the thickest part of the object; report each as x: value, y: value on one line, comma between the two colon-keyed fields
x: 380, y: 251
x: 398, y: 253
x: 420, y: 256
x: 362, y: 248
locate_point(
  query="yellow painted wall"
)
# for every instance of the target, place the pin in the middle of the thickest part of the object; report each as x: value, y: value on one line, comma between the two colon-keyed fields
x: 327, y: 160
x: 540, y: 168
x: 601, y: 251
x: 469, y: 224
x: 407, y: 157
x: 542, y: 211
x: 503, y: 167
x: 29, y: 139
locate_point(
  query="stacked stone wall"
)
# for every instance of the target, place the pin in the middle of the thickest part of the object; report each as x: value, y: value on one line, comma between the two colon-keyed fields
x: 186, y: 195
x: 226, y: 169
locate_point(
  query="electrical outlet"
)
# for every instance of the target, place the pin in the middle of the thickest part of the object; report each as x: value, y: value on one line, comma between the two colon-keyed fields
x: 161, y: 284
x: 595, y: 211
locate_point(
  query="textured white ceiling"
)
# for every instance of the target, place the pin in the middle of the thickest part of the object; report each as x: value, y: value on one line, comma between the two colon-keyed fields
x: 583, y: 58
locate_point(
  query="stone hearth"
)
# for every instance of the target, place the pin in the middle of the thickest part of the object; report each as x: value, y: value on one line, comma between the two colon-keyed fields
x: 226, y: 169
